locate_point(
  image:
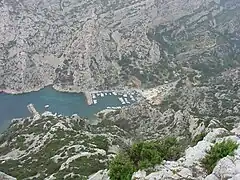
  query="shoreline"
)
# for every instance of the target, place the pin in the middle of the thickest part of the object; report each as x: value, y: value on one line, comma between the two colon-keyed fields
x: 87, y: 93
x: 59, y: 89
x: 14, y: 92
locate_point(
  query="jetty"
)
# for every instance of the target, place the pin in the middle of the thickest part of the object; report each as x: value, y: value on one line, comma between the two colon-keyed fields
x: 88, y: 97
x: 33, y: 111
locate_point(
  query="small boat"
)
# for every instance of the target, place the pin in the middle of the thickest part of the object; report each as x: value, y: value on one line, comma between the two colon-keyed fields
x: 102, y: 95
x: 93, y: 96
x: 121, y: 99
x: 105, y: 94
x: 132, y: 98
x: 94, y: 101
x: 110, y: 93
x: 126, y: 100
x: 114, y: 93
x: 125, y: 95
x: 46, y: 106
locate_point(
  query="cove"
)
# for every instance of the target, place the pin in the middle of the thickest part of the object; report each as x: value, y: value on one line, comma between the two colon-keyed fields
x: 15, y: 106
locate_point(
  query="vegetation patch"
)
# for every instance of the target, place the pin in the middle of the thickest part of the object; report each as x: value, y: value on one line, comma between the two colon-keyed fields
x: 217, y: 152
x: 143, y: 155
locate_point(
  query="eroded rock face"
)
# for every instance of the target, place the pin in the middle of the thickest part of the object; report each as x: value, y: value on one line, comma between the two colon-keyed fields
x: 102, y: 44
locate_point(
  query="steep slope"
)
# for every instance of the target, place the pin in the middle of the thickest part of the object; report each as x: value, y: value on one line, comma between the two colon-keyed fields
x: 58, y: 147
x: 78, y: 45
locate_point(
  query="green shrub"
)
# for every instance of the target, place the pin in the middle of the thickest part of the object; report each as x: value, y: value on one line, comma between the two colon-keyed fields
x: 143, y: 155
x: 170, y: 148
x: 121, y: 168
x: 217, y: 152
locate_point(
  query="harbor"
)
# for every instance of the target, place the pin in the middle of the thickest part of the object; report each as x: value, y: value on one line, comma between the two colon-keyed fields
x: 124, y: 97
x: 67, y: 104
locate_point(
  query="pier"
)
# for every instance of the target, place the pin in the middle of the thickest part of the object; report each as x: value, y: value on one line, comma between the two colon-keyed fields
x: 88, y: 97
x: 33, y: 111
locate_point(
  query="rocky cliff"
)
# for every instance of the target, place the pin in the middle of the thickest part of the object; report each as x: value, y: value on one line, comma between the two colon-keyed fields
x: 78, y: 45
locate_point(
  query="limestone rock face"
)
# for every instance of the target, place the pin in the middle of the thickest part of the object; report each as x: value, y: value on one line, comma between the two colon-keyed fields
x: 102, y: 44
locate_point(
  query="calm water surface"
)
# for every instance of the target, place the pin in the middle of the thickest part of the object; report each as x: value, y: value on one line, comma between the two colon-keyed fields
x: 15, y: 106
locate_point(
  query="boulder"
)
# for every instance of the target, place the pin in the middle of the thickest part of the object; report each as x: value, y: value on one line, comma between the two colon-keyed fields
x: 225, y: 168
x: 4, y: 176
x: 139, y: 175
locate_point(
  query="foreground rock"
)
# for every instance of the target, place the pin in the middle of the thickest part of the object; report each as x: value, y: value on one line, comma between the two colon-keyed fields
x: 189, y: 166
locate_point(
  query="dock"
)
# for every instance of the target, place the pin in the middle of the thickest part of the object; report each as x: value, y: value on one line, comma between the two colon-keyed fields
x: 33, y: 111
x: 88, y: 98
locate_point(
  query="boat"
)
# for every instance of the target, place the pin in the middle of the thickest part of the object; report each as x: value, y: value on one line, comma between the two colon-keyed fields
x: 125, y: 95
x: 93, y: 96
x: 114, y: 93
x: 102, y: 95
x: 98, y: 94
x: 110, y: 93
x: 121, y: 100
x: 46, y: 106
x: 94, y: 101
x: 132, y: 98
x: 126, y: 100
x: 105, y: 94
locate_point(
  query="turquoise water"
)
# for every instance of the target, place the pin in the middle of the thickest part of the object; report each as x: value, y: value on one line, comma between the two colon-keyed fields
x: 15, y: 106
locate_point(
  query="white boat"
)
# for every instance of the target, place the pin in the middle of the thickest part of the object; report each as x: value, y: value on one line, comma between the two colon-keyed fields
x: 114, y: 93
x: 93, y: 96
x: 108, y: 107
x: 102, y: 95
x: 132, y: 98
x: 105, y: 94
x: 46, y: 106
x: 94, y: 101
x: 98, y: 94
x: 122, y: 100
x: 125, y: 95
x: 126, y: 100
x: 110, y: 93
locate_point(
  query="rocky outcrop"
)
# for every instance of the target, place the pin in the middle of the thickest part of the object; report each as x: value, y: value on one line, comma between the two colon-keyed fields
x: 4, y: 176
x: 189, y: 167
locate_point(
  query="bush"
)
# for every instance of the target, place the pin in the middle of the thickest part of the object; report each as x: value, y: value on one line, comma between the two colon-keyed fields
x: 121, y: 168
x: 217, y: 152
x: 143, y: 155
